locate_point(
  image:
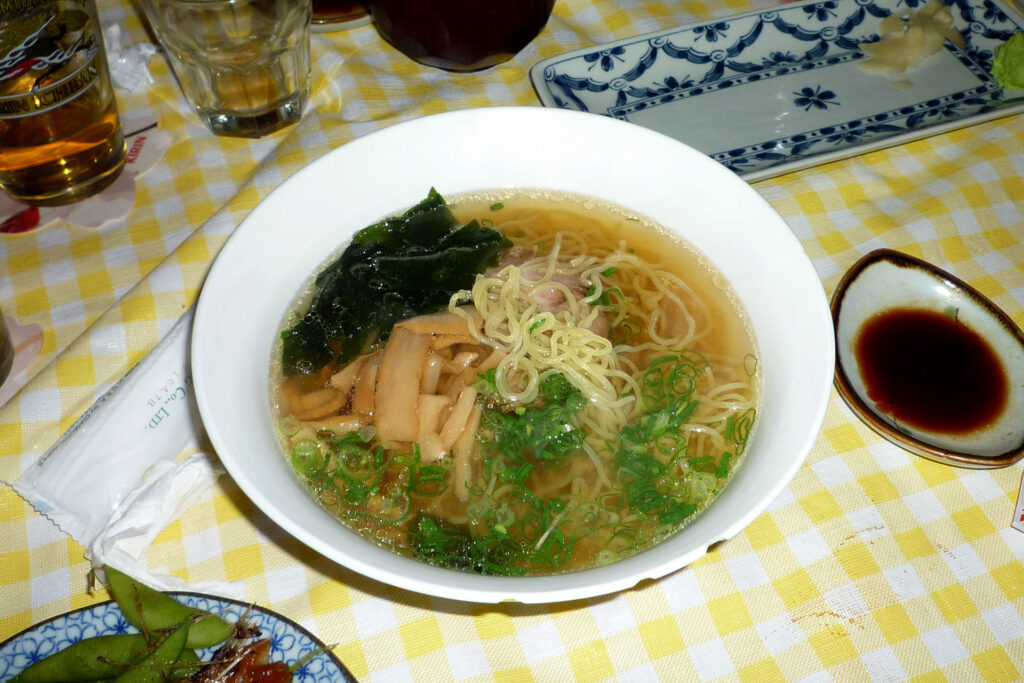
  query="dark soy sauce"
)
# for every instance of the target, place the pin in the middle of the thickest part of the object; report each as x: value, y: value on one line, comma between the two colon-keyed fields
x: 929, y: 371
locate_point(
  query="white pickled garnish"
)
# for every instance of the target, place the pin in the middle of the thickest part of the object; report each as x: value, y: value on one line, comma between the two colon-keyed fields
x: 908, y: 39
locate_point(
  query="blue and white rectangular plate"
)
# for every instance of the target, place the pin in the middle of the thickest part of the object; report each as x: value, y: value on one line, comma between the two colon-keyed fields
x: 778, y: 90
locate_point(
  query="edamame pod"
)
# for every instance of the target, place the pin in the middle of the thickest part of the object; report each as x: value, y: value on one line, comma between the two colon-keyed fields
x: 162, y: 611
x: 188, y: 663
x: 89, y: 659
x: 155, y: 667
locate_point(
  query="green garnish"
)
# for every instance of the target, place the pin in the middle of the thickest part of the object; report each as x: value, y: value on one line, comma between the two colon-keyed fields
x: 442, y: 543
x: 347, y: 474
x: 651, y: 454
x: 288, y: 425
x: 604, y: 299
x: 658, y: 479
x: 485, y: 383
x: 625, y: 330
x: 547, y: 432
x: 510, y: 528
x: 305, y: 457
x: 1008, y: 63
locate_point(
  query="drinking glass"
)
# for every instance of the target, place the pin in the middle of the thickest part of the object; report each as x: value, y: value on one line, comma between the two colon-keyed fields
x: 60, y: 134
x: 460, y: 35
x: 242, y: 64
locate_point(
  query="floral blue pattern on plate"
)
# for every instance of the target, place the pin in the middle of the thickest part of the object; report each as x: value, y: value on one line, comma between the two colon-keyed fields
x: 289, y: 642
x: 777, y: 90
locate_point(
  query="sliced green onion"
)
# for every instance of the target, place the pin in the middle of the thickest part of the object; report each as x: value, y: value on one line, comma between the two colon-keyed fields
x: 431, y: 480
x: 393, y: 508
x: 478, y: 509
x: 306, y: 457
x: 744, y: 423
x: 723, y: 467
x: 504, y: 516
x: 625, y: 330
x: 402, y: 461
x: 360, y: 467
x: 288, y: 425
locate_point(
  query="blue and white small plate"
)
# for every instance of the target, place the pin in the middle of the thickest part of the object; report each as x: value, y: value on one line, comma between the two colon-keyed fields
x: 289, y: 642
x: 778, y: 90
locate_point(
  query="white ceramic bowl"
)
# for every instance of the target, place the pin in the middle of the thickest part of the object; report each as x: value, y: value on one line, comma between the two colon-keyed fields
x: 262, y: 266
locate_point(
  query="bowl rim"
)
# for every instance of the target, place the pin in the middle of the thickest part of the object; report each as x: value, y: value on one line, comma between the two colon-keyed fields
x: 797, y: 430
x: 862, y: 410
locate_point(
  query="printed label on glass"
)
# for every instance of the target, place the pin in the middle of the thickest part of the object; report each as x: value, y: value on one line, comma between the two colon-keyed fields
x: 49, y: 56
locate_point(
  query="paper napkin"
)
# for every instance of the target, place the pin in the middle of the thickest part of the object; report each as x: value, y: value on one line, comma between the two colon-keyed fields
x: 130, y: 466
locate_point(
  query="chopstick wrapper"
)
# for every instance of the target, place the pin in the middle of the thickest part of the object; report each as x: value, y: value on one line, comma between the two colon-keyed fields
x: 124, y: 471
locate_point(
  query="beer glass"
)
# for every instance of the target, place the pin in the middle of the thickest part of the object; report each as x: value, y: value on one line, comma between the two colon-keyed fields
x: 242, y: 64
x: 60, y: 135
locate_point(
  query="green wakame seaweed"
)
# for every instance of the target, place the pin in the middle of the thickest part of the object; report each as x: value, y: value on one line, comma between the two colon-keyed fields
x: 403, y: 266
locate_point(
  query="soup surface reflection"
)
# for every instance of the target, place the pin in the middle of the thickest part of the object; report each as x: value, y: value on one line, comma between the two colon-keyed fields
x: 581, y: 393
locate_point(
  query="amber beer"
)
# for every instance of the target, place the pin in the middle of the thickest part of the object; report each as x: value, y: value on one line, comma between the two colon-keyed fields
x: 60, y: 135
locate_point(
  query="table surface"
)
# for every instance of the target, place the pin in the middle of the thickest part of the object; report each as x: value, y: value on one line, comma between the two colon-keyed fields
x: 872, y: 565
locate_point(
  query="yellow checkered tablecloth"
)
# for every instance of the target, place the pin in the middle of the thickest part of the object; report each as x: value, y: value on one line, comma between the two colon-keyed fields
x: 872, y: 565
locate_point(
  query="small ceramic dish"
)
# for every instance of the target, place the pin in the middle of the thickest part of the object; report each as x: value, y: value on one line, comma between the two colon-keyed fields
x: 887, y: 282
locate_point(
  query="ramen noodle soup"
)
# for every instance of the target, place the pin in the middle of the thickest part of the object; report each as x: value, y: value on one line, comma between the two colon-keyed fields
x: 584, y: 392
